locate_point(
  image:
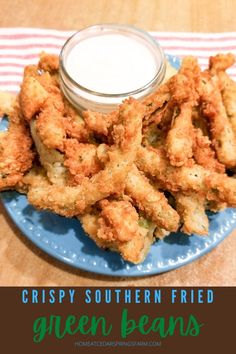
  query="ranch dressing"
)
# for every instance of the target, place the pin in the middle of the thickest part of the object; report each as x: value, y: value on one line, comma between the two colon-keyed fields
x: 102, y: 65
x: 111, y: 63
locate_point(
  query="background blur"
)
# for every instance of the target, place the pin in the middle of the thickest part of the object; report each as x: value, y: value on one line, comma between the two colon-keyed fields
x: 153, y: 15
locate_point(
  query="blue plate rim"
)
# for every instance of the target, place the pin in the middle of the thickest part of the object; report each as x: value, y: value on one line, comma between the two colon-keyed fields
x: 216, y: 237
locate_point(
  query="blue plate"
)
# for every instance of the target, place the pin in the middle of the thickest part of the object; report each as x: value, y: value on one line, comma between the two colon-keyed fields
x: 65, y: 239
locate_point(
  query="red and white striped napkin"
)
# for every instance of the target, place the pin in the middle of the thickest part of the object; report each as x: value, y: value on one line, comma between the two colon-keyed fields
x: 21, y: 46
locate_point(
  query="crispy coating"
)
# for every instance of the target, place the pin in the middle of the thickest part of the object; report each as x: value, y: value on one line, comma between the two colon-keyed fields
x: 134, y: 249
x: 183, y: 88
x: 100, y: 123
x: 127, y: 133
x: 60, y: 199
x: 221, y: 130
x: 46, y: 79
x: 32, y: 97
x: 71, y: 201
x: 156, y: 117
x: 118, y: 221
x: 229, y: 98
x: 51, y: 129
x: 161, y: 233
x: 132, y: 175
x: 218, y: 66
x: 215, y: 206
x: 204, y: 154
x: 221, y: 188
x: 200, y: 122
x: 148, y: 199
x: 154, y: 136
x: 192, y: 71
x: 50, y: 123
x: 75, y: 200
x: 81, y: 159
x: 221, y: 62
x: 161, y: 96
x: 48, y: 62
x: 41, y: 95
x: 52, y: 160
x: 35, y: 176
x: 212, y: 185
x: 74, y: 124
x: 157, y: 99
x: 151, y: 201
x: 153, y: 162
x: 179, y: 141
x: 191, y: 209
x: 15, y: 151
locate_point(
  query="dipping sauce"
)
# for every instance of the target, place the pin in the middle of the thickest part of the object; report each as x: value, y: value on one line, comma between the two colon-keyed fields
x: 111, y: 63
x: 103, y: 64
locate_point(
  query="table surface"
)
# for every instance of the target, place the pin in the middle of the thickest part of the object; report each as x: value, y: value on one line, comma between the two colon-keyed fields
x: 21, y: 263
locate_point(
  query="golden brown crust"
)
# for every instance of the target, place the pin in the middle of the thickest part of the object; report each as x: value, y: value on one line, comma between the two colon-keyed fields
x: 16, y: 155
x: 32, y: 97
x: 221, y: 130
x: 179, y: 141
x: 204, y: 154
x: 141, y: 171
x: 118, y: 221
x: 191, y: 209
x: 110, y: 180
x: 51, y: 160
x: 49, y: 62
x: 212, y: 185
x: 74, y: 124
x: 99, y: 122
x: 184, y: 88
x: 151, y: 201
x: 51, y: 128
x: 81, y: 160
x: 101, y: 228
x: 221, y: 62
x: 229, y: 98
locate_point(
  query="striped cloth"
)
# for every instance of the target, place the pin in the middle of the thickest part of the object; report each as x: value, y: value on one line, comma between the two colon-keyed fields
x: 21, y: 46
